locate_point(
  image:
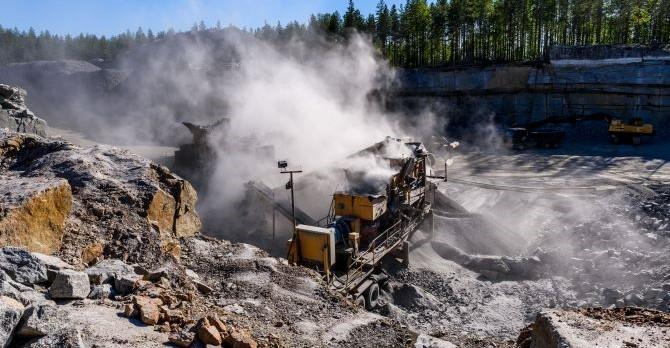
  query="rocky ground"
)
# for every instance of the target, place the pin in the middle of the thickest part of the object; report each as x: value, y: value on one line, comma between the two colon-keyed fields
x: 620, y: 327
x: 130, y: 268
x: 586, y: 231
x: 513, y: 234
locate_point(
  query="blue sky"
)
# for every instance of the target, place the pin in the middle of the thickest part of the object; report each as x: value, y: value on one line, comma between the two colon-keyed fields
x: 110, y: 17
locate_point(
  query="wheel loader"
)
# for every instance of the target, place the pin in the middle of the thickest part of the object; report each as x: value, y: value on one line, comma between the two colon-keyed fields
x: 363, y: 227
x: 634, y: 131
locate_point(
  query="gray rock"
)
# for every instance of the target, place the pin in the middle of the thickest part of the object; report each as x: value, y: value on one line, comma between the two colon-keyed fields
x: 125, y: 284
x: 666, y: 287
x: 70, y: 284
x: 52, y: 263
x: 42, y: 320
x: 611, y: 295
x: 23, y: 266
x: 15, y: 115
x: 20, y: 292
x: 106, y: 270
x: 634, y: 300
x: 652, y: 294
x: 10, y: 315
x: 620, y: 303
x: 9, y: 287
x: 70, y: 337
x: 100, y: 292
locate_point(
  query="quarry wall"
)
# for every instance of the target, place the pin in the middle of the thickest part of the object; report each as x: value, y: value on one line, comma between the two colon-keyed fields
x: 613, y: 87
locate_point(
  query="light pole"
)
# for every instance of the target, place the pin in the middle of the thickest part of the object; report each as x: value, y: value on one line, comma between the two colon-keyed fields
x: 282, y: 165
x: 447, y: 146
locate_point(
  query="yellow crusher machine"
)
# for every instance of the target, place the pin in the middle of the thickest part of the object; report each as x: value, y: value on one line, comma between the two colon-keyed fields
x: 348, y: 245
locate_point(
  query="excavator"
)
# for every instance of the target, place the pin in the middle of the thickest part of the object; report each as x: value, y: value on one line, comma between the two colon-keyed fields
x: 364, y: 226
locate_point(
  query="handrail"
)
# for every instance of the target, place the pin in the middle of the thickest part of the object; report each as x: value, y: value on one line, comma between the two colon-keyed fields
x: 328, y: 218
x: 352, y: 273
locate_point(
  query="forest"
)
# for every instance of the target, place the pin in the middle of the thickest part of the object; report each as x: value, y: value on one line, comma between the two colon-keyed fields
x: 419, y: 33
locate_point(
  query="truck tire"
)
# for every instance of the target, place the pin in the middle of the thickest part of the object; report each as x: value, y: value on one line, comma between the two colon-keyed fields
x: 371, y: 297
x: 614, y: 139
x: 637, y: 140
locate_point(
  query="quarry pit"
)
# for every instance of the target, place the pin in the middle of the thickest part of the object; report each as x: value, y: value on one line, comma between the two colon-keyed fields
x: 518, y: 248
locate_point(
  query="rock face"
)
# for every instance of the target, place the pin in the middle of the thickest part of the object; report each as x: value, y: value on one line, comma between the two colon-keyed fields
x: 15, y: 115
x: 587, y: 83
x: 91, y: 203
x: 34, y: 212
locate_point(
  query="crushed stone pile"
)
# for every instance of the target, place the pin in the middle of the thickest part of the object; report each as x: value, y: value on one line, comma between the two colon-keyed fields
x: 591, y: 241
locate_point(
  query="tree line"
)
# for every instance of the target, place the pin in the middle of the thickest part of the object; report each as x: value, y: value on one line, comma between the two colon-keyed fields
x: 418, y: 33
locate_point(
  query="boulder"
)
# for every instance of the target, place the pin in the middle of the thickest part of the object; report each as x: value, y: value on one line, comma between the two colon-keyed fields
x: 23, y: 266
x: 208, y: 334
x: 598, y: 327
x: 100, y: 292
x: 126, y: 283
x: 70, y: 284
x: 240, y: 339
x: 52, y: 263
x: 118, y: 205
x: 14, y: 113
x: 10, y: 315
x: 69, y: 337
x: 149, y: 309
x: 187, y: 222
x: 9, y: 287
x: 106, y: 270
x: 34, y: 212
x: 92, y: 253
x: 42, y: 320
x: 218, y: 324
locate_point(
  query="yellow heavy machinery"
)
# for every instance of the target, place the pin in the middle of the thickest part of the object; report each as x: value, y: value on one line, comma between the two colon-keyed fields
x: 635, y: 130
x: 362, y: 228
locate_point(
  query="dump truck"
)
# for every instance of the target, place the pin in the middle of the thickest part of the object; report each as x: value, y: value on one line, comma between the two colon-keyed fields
x: 523, y: 138
x: 634, y: 131
x: 364, y: 227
